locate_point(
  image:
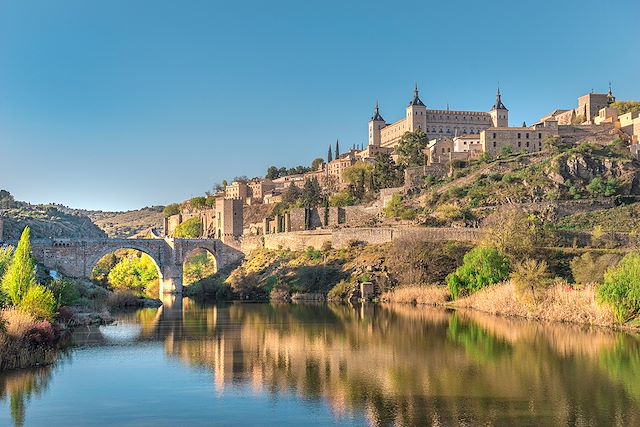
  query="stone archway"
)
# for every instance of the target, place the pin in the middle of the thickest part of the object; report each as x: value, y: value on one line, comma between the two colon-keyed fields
x: 195, y: 268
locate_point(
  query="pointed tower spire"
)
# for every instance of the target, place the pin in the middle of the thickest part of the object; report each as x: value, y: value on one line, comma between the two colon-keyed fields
x: 337, y: 149
x: 416, y: 98
x: 524, y: 124
x: 499, y: 105
x: 610, y: 98
x: 329, y: 155
x: 376, y: 114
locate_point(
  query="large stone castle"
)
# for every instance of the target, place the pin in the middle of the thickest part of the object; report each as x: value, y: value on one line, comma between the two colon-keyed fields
x: 435, y: 123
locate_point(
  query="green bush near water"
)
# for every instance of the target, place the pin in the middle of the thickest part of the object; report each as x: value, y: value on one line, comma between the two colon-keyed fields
x: 481, y: 267
x: 621, y: 288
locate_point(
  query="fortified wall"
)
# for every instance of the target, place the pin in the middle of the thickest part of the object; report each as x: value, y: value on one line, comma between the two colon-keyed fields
x: 344, y: 237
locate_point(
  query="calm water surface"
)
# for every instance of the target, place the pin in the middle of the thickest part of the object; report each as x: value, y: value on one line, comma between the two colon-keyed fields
x: 264, y: 364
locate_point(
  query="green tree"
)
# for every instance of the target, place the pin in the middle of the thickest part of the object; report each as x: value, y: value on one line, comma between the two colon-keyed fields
x: 359, y: 177
x: 624, y: 107
x: 40, y: 302
x: 315, y: 164
x: 480, y: 267
x: 291, y: 196
x: 190, y: 229
x: 21, y: 274
x: 311, y: 196
x: 170, y: 210
x: 6, y: 255
x: 342, y: 199
x: 272, y: 173
x: 409, y: 149
x: 386, y: 174
x: 198, y: 203
x: 134, y: 274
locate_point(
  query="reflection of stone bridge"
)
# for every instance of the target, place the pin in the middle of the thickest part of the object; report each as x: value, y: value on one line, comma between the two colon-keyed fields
x: 77, y: 257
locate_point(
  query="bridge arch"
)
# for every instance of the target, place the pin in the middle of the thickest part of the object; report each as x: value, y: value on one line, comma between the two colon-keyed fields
x: 155, y: 257
x: 198, y: 263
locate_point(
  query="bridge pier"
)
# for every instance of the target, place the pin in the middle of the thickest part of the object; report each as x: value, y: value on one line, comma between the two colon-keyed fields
x: 171, y: 280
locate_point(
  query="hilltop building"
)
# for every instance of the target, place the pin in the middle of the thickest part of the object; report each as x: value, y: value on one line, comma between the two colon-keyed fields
x: 435, y: 123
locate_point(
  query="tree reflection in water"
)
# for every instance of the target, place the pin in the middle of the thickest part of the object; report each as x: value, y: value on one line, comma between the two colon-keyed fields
x: 396, y: 364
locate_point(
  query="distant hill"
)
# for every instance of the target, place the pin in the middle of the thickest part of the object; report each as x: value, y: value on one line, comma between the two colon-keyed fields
x: 59, y: 221
x: 130, y: 223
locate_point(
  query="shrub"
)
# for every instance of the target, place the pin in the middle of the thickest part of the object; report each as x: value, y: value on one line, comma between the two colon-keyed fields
x: 416, y: 262
x: 340, y: 291
x: 481, y: 267
x: 596, y: 235
x: 313, y: 254
x: 621, y: 288
x: 211, y: 288
x: 170, y: 210
x: 450, y: 212
x: 20, y: 275
x: 600, y: 187
x: 590, y: 267
x: 396, y: 209
x: 514, y: 233
x: 65, y: 291
x: 326, y: 246
x: 198, y: 203
x: 342, y: 199
x: 39, y: 302
x: 531, y: 279
x: 190, y: 229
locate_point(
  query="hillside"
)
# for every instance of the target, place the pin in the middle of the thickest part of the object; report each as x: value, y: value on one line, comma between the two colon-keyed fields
x: 561, y: 174
x: 130, y: 223
x: 47, y: 221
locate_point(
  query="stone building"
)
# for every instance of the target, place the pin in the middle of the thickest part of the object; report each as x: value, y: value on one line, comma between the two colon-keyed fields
x: 495, y: 140
x: 435, y: 123
x: 588, y: 108
x: 258, y: 188
x: 237, y: 190
x: 223, y: 222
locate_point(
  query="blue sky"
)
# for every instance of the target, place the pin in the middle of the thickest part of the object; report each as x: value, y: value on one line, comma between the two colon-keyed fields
x: 121, y: 104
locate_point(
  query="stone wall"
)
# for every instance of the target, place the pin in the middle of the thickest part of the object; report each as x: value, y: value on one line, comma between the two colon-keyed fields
x: 340, y: 238
x: 1, y: 229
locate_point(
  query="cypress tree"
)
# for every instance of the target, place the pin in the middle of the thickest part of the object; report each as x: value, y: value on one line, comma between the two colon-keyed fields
x: 337, y: 149
x: 20, y: 275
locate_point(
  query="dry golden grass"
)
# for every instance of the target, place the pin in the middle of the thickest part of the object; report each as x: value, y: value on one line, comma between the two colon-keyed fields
x: 18, y: 322
x: 417, y: 294
x: 559, y: 303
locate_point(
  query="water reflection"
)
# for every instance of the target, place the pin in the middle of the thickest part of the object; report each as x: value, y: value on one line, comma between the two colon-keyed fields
x: 391, y: 365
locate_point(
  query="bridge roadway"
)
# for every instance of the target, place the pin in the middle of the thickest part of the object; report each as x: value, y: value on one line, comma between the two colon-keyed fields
x: 78, y: 257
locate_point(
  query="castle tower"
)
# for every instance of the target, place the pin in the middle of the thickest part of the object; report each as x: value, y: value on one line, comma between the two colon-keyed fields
x: 416, y: 113
x: 375, y: 125
x: 499, y: 113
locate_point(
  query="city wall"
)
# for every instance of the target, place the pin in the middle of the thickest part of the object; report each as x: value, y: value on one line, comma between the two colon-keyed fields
x: 341, y: 238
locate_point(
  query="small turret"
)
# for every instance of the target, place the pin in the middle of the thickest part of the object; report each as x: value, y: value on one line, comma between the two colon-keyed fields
x: 329, y: 155
x: 416, y: 113
x: 499, y: 113
x: 375, y: 124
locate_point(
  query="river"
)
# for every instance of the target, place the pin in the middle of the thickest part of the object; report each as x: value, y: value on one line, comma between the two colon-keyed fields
x: 287, y: 364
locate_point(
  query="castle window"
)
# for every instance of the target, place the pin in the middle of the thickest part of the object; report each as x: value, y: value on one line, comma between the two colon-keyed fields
x: 519, y: 144
x: 540, y: 136
x: 494, y: 144
x: 527, y: 135
x: 494, y: 135
x: 518, y: 135
x: 527, y: 144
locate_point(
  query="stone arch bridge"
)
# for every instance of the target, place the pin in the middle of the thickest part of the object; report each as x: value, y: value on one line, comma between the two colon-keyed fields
x: 77, y: 257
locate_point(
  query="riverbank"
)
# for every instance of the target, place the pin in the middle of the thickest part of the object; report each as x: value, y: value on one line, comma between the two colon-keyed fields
x: 336, y: 275
x: 560, y: 303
